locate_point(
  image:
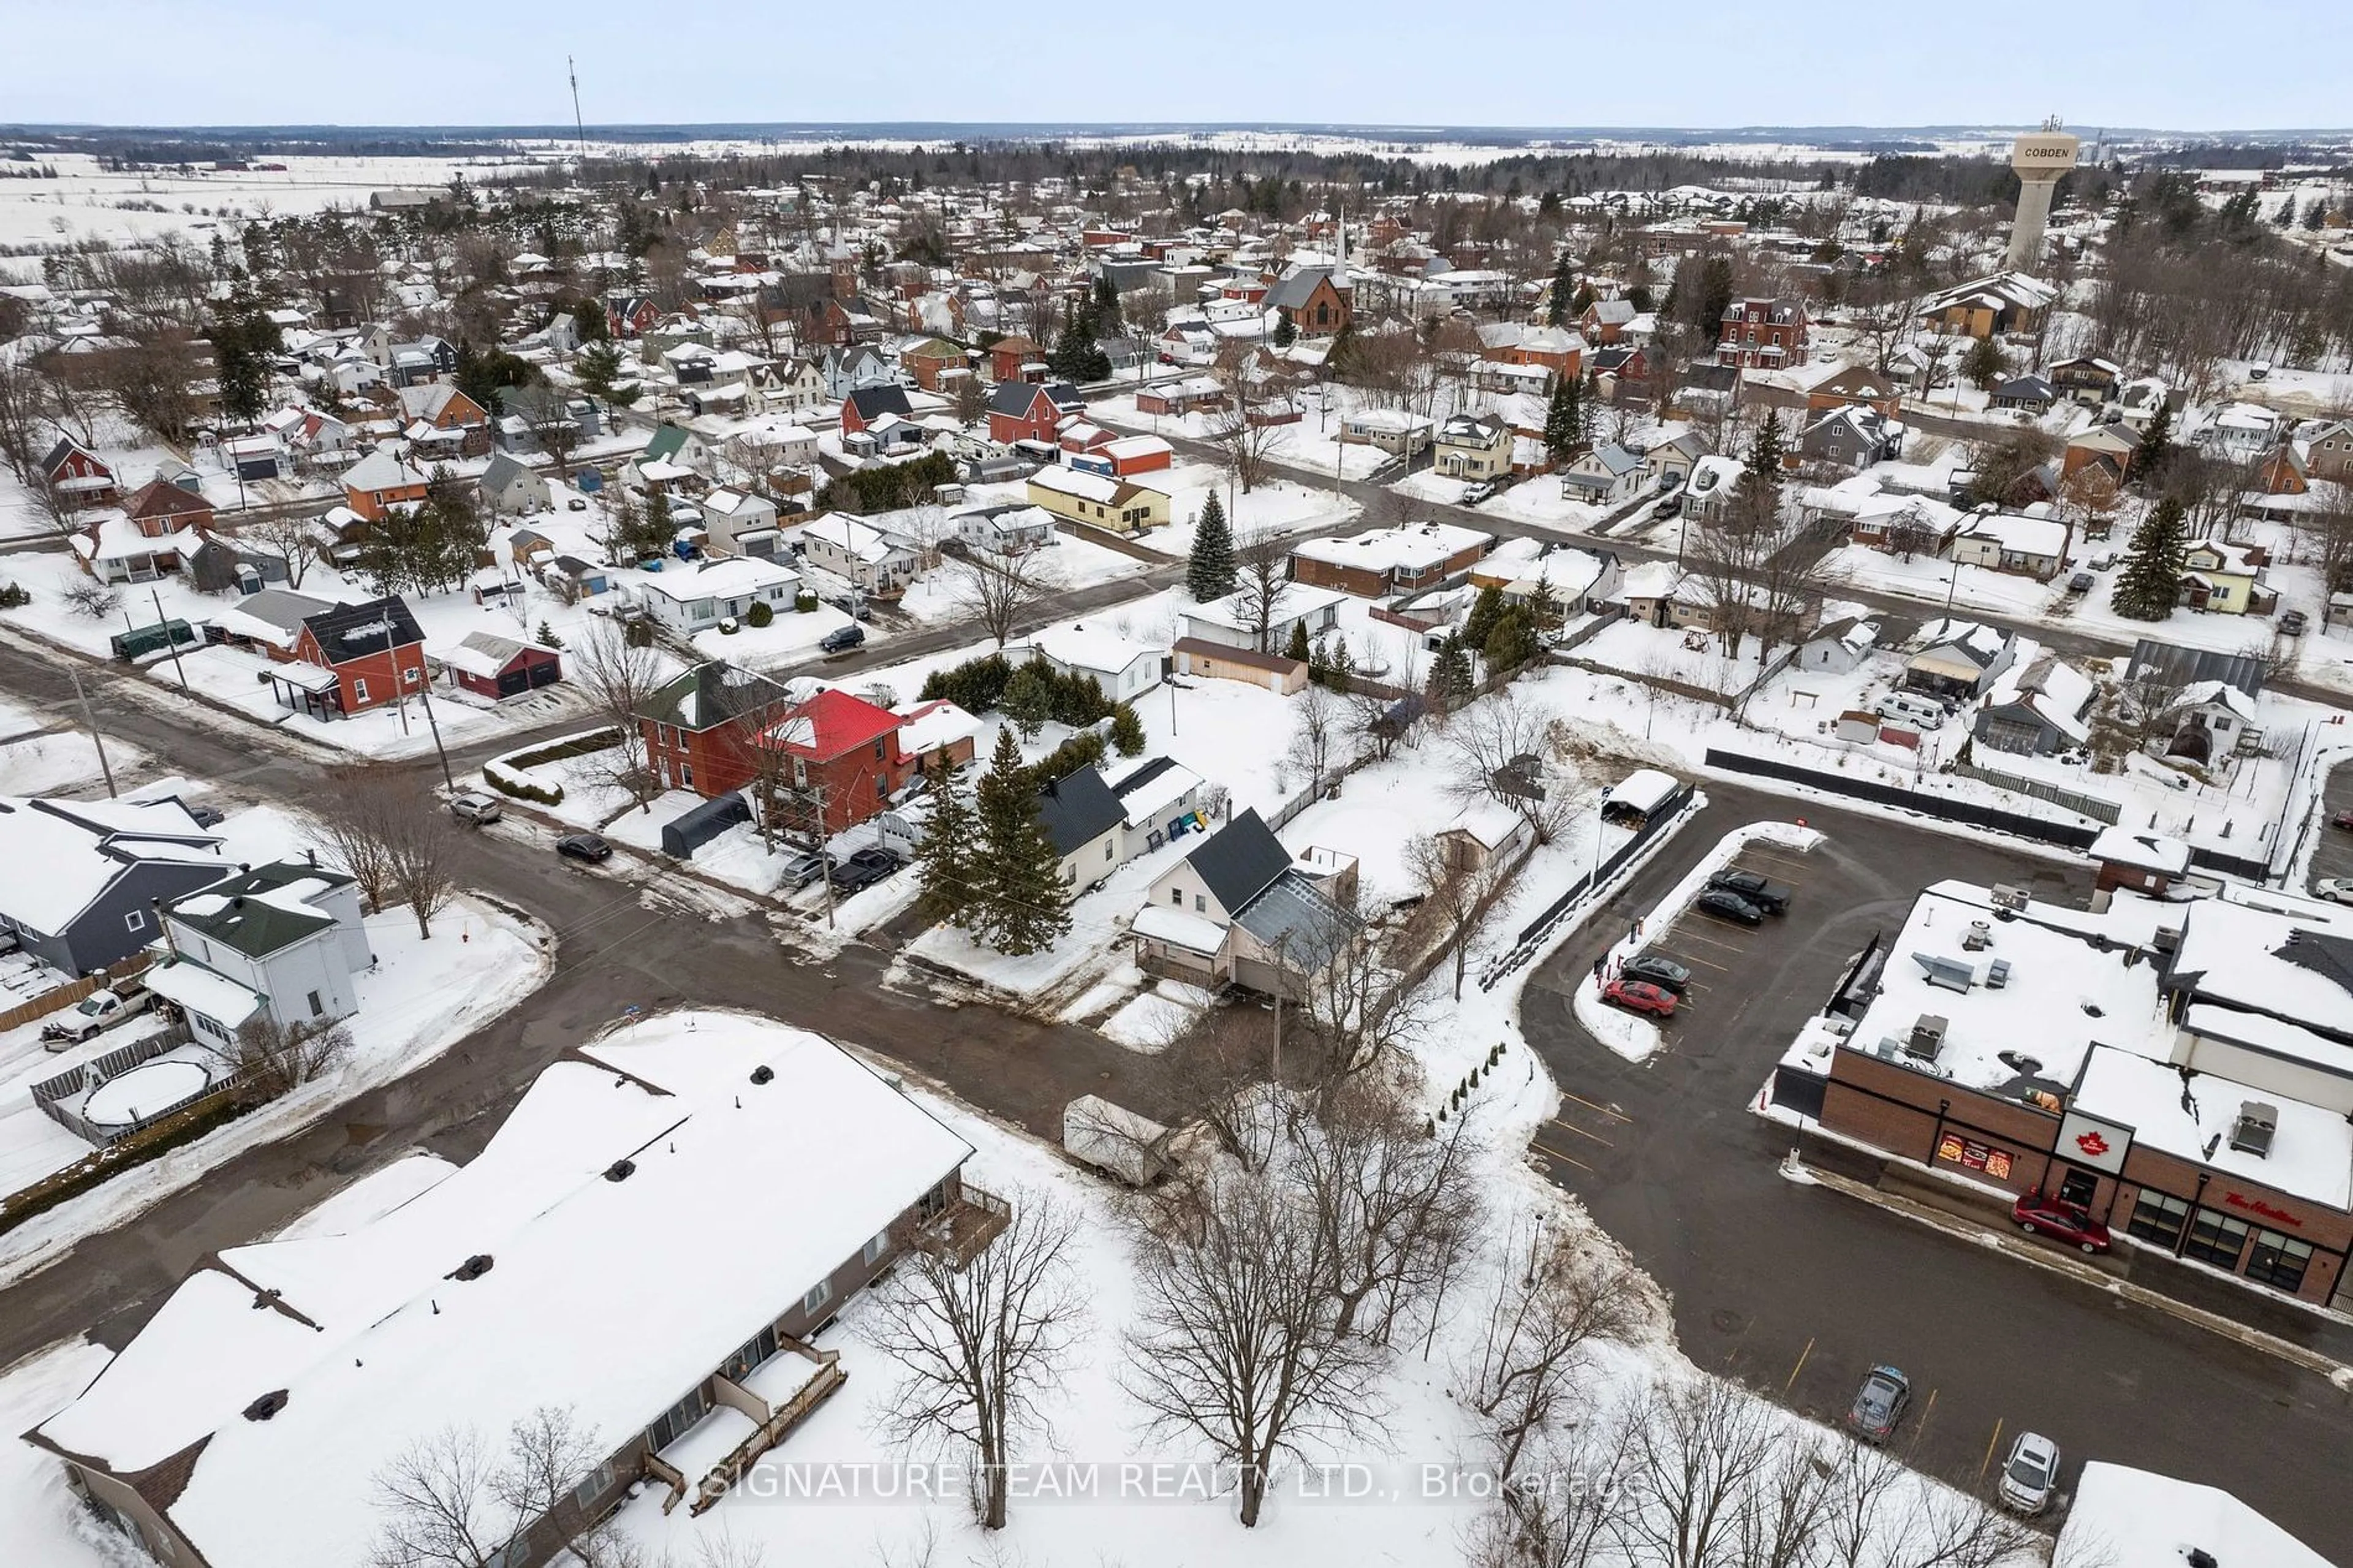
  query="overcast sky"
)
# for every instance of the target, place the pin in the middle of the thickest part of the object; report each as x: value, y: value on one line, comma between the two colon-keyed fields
x: 2249, y: 64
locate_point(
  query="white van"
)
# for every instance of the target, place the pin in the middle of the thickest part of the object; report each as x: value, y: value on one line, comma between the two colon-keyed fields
x: 1911, y: 707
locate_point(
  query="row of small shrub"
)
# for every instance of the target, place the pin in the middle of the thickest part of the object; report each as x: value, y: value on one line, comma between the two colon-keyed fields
x: 521, y: 788
x: 506, y: 774
x: 180, y: 1128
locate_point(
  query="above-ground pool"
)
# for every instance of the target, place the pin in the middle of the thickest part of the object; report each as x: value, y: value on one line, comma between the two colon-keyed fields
x: 143, y: 1091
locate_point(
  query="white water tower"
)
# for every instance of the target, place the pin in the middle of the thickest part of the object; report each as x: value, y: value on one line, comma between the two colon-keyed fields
x: 2040, y: 159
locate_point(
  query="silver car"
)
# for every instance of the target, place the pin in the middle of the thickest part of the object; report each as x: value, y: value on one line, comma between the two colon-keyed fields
x: 2029, y: 1475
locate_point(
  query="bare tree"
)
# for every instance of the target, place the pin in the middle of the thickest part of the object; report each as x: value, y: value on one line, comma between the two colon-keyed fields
x: 1351, y: 1007
x: 979, y: 1344
x: 452, y: 1499
x: 1463, y: 895
x: 1571, y: 1517
x: 1262, y: 561
x: 2328, y: 528
x: 1236, y: 1340
x: 277, y: 1057
x: 286, y: 537
x: 1542, y: 1330
x: 1316, y: 732
x: 422, y: 842
x: 998, y: 591
x: 619, y: 678
x: 350, y: 825
x: 90, y: 598
x: 1697, y: 1447
x: 21, y: 410
x: 1238, y: 426
x: 1498, y: 746
x: 557, y: 435
x: 1401, y: 1206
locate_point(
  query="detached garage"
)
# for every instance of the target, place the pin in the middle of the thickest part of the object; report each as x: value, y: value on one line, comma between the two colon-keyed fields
x: 497, y: 667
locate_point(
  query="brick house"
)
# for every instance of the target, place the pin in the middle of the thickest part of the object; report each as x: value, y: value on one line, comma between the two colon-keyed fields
x: 1606, y: 320
x: 696, y: 728
x: 461, y: 426
x: 359, y: 657
x: 630, y: 315
x: 1031, y: 411
x: 1764, y: 334
x: 843, y: 758
x: 380, y: 481
x: 160, y: 508
x: 1010, y: 357
x: 1384, y: 560
x: 927, y: 362
x: 1316, y: 306
x: 78, y: 475
x: 1855, y: 386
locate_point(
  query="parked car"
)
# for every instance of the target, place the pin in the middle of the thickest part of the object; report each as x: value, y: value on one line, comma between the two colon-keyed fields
x: 2336, y: 889
x: 1773, y: 898
x: 863, y: 870
x: 2104, y: 559
x: 2081, y: 583
x: 2039, y: 1215
x: 851, y: 604
x: 1728, y: 906
x: 1671, y: 507
x: 479, y: 810
x: 207, y: 815
x: 2029, y: 1475
x: 2342, y: 819
x: 1652, y: 970
x: 802, y: 870
x: 2293, y: 624
x: 583, y: 847
x: 841, y: 639
x: 1879, y: 1404
x: 96, y: 1013
x: 1641, y: 996
x: 1472, y: 495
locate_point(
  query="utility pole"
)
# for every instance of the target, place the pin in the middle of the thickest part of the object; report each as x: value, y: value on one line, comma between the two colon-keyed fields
x: 425, y: 694
x: 169, y: 640
x: 825, y: 861
x: 578, y: 128
x: 90, y: 719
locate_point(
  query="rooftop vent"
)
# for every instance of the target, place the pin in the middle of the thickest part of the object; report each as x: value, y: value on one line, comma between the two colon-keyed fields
x: 2257, y: 1125
x: 1997, y: 975
x: 2168, y: 939
x: 764, y: 1073
x: 1949, y: 972
x: 267, y: 1405
x: 1927, y: 1037
x: 1978, y: 937
x: 619, y: 1170
x: 474, y: 1268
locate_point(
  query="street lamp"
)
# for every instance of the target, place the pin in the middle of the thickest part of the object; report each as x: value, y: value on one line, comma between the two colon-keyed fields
x: 1600, y: 807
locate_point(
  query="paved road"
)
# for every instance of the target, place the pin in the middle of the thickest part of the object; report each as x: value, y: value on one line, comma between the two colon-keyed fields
x: 1798, y: 1290
x: 613, y: 952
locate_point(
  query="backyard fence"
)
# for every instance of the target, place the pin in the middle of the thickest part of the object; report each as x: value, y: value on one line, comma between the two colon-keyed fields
x: 1537, y: 931
x: 2083, y: 804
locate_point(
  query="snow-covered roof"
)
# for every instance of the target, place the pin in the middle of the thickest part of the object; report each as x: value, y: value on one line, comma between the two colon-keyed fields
x: 1089, y: 647
x: 2018, y: 534
x: 611, y: 1297
x: 927, y: 726
x: 1163, y: 922
x: 1644, y: 789
x: 380, y: 470
x: 2132, y: 1517
x: 1411, y: 547
x: 852, y: 538
x: 61, y: 855
x: 199, y: 990
x: 2141, y: 849
x: 2057, y: 691
x: 720, y: 578
x: 1150, y: 788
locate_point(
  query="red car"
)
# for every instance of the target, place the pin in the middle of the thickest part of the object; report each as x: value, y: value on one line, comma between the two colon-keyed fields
x: 2342, y: 819
x: 1641, y: 996
x: 2041, y: 1215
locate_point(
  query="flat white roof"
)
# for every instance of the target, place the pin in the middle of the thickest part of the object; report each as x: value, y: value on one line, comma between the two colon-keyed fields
x: 1415, y: 546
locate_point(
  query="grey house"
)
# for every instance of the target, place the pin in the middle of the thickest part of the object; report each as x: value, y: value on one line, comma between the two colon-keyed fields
x: 1240, y: 910
x: 283, y: 940
x: 510, y: 489
x: 84, y: 876
x: 1084, y: 820
x: 1853, y: 437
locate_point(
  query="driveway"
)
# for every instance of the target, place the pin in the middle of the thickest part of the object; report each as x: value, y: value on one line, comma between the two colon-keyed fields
x: 1798, y: 1290
x: 2332, y: 856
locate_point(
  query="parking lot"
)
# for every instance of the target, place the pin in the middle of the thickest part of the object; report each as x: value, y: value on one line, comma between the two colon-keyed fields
x: 1797, y: 1290
x: 2332, y: 853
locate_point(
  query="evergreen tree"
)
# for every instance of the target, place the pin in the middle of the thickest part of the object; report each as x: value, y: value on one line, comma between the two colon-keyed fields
x: 598, y: 366
x: 2315, y: 214
x: 1106, y: 301
x: 1285, y: 333
x: 1485, y: 611
x: 2151, y: 585
x: 1512, y: 643
x: 1564, y: 281
x: 1210, y: 571
x: 1983, y: 363
x: 1299, y: 648
x: 2156, y: 445
x: 245, y: 342
x: 1128, y: 730
x: 1565, y: 420
x: 1449, y: 677
x: 2286, y: 216
x: 948, y: 863
x: 1766, y: 451
x: 657, y: 530
x: 1028, y: 698
x: 1340, y: 669
x: 1023, y: 904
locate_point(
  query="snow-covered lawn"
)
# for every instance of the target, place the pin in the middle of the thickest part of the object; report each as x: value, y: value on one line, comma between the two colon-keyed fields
x: 46, y: 752
x: 938, y: 597
x: 421, y: 997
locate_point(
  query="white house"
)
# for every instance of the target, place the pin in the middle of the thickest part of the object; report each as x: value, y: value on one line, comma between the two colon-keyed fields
x: 283, y: 940
x: 1232, y: 621
x: 1605, y: 476
x: 872, y: 560
x: 1840, y: 647
x: 1123, y: 666
x: 728, y: 515
x: 695, y: 598
x: 1159, y: 800
x: 1009, y: 529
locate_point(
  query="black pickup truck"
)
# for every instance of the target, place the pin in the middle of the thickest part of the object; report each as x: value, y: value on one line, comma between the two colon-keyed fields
x: 1773, y: 898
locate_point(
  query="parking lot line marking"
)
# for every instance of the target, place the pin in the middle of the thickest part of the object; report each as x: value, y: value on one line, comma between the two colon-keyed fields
x: 1591, y: 1105
x: 1686, y: 958
x: 1581, y: 1132
x: 1797, y: 1369
x: 1991, y: 1444
x: 1921, y: 1430
x: 1709, y: 941
x: 1556, y: 1154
